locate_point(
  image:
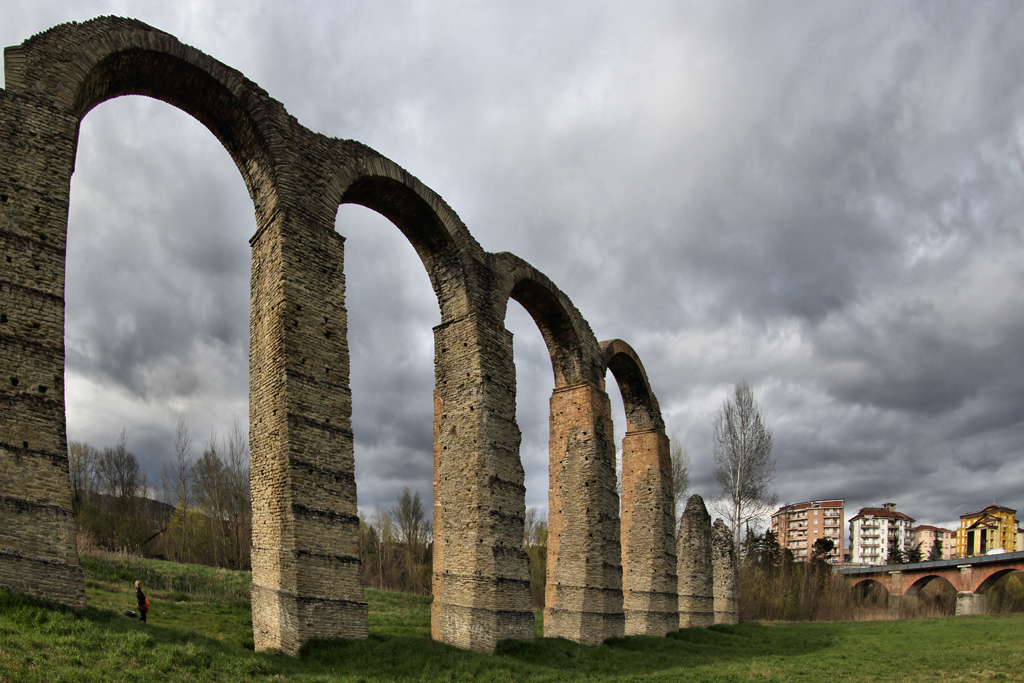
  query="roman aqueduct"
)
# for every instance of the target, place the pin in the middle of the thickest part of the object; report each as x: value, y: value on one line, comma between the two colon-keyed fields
x: 606, y: 576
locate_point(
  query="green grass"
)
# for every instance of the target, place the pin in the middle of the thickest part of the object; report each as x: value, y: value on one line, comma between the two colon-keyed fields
x: 200, y: 630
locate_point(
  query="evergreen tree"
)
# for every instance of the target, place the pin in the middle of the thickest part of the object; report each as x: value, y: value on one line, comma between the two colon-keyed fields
x: 936, y: 551
x: 822, y: 550
x: 895, y: 555
x: 915, y: 554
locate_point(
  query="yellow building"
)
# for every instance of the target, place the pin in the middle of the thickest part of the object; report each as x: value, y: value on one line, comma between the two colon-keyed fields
x: 986, y: 530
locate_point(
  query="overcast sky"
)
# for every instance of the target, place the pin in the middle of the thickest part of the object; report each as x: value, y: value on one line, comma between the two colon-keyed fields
x: 824, y: 199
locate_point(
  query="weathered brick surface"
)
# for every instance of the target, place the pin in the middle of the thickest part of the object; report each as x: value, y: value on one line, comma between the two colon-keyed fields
x: 37, y: 533
x: 305, y: 528
x: 696, y: 582
x: 583, y: 600
x: 648, y: 509
x: 648, y: 541
x: 723, y: 562
x: 482, y: 582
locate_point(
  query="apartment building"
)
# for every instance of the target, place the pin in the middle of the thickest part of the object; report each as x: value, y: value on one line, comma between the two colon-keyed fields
x: 874, y: 530
x: 987, y: 529
x: 799, y: 525
x: 925, y: 536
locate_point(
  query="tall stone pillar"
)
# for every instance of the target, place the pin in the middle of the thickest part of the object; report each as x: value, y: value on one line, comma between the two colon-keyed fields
x: 723, y: 565
x: 648, y: 536
x: 696, y: 579
x: 305, y: 555
x: 583, y: 598
x: 38, y: 555
x: 481, y: 573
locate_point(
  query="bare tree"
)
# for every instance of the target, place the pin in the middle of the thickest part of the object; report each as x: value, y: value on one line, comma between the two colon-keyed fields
x: 119, y: 476
x: 534, y: 526
x: 239, y: 502
x: 414, y: 532
x: 82, y: 462
x: 179, y: 483
x: 209, y: 480
x: 535, y: 543
x: 679, y: 476
x: 743, y: 461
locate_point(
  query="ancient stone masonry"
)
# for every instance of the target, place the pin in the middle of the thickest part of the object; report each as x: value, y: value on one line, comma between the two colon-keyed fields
x: 305, y: 525
x: 723, y: 563
x: 648, y: 509
x: 696, y: 582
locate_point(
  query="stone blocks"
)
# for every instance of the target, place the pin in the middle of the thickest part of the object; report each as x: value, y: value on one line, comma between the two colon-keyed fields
x: 648, y: 536
x: 305, y: 524
x: 583, y: 600
x: 723, y: 564
x: 696, y: 582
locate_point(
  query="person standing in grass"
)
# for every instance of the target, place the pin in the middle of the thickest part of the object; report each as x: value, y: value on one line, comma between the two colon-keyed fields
x: 142, y: 601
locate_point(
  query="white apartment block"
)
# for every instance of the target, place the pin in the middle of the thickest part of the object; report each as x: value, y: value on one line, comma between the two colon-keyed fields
x: 874, y: 530
x: 799, y: 525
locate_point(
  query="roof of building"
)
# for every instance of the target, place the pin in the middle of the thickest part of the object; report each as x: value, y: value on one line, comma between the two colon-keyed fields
x: 793, y: 507
x: 880, y: 512
x: 990, y: 508
x: 929, y: 527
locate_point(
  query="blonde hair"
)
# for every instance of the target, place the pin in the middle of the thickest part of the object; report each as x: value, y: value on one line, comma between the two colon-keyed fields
x: 138, y: 583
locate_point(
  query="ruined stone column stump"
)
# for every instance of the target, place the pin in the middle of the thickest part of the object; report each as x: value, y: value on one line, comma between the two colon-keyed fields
x: 696, y: 582
x: 724, y: 569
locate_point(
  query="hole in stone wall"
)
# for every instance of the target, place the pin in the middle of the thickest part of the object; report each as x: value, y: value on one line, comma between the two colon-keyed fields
x: 392, y: 311
x: 157, y: 288
x: 534, y: 385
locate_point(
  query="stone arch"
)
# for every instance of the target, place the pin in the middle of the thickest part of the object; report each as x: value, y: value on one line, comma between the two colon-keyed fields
x: 583, y: 597
x: 642, y: 410
x: 925, y: 581
x: 52, y: 81
x: 992, y: 579
x: 932, y: 592
x: 478, y: 599
x: 575, y: 353
x: 649, y: 562
x: 443, y: 243
x: 871, y: 589
x: 305, y: 555
x: 79, y: 66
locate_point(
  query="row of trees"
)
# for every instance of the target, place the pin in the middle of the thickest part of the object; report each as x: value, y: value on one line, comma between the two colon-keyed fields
x: 108, y: 495
x: 203, y: 513
x: 396, y: 547
x: 212, y: 519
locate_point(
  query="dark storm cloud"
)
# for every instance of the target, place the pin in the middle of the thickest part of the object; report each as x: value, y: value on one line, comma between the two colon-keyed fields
x: 826, y: 200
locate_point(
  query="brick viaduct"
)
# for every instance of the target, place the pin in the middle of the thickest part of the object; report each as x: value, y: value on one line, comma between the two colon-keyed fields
x: 970, y: 577
x: 603, y: 579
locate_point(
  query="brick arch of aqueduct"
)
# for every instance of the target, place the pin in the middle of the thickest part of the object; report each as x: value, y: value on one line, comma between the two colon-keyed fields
x: 604, y: 579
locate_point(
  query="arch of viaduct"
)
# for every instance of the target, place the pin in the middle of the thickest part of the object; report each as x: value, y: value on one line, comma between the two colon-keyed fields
x: 970, y: 577
x: 606, y: 575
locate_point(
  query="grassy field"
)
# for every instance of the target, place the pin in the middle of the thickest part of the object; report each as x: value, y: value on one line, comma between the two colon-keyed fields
x: 200, y: 630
